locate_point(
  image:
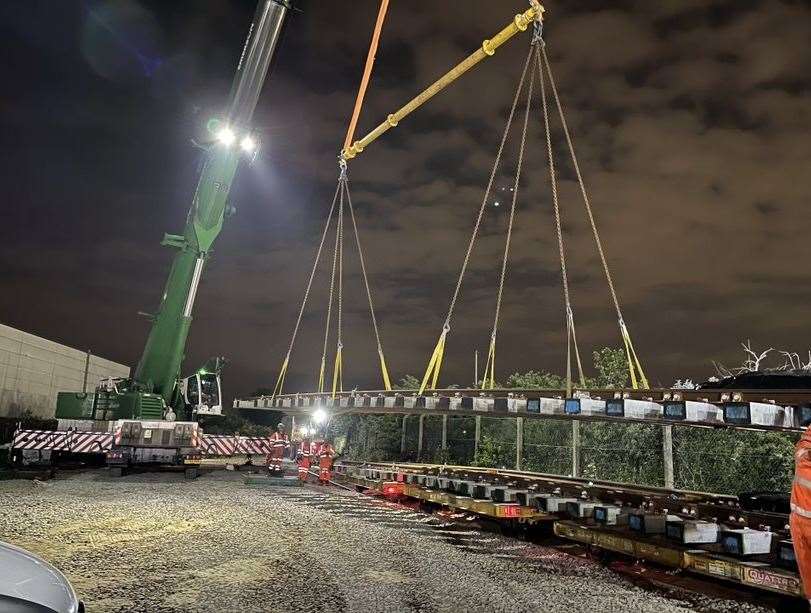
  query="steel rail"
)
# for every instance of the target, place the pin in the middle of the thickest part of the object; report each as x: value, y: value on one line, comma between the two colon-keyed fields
x: 719, y: 508
x: 305, y: 412
x: 305, y: 403
x: 794, y: 397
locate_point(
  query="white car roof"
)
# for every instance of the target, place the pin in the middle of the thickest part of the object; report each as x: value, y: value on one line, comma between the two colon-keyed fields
x: 28, y: 577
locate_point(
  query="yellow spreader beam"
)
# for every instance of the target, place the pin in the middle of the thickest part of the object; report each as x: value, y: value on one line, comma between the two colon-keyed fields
x: 519, y: 24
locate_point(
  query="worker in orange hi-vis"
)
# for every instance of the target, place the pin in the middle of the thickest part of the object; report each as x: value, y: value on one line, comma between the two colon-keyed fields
x: 279, y: 442
x: 326, y: 452
x: 304, y: 457
x: 801, y: 510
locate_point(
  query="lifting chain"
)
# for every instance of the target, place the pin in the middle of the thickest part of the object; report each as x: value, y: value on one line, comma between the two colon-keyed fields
x: 283, y: 371
x: 322, y: 371
x: 435, y: 363
x: 490, y: 366
x: 637, y: 375
x: 571, y: 336
x: 337, y: 370
x: 383, y: 369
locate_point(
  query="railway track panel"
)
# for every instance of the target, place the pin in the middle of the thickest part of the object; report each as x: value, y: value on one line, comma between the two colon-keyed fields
x: 763, y: 410
x: 434, y: 484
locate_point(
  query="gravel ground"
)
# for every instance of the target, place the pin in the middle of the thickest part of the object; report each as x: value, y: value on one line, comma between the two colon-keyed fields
x: 161, y: 544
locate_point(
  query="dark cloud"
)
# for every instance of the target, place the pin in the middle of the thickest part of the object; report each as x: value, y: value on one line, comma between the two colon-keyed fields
x: 691, y: 121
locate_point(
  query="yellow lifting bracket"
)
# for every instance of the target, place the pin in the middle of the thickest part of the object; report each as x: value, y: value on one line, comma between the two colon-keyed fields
x: 384, y: 369
x: 435, y: 364
x: 321, y: 375
x: 519, y: 24
x: 489, y: 381
x: 338, y: 373
x: 638, y: 378
x: 277, y: 389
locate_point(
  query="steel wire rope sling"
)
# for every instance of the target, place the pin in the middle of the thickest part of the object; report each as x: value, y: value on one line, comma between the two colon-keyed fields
x: 490, y: 365
x: 384, y: 370
x: 341, y: 191
x: 635, y: 370
x: 277, y: 389
x: 337, y: 264
x: 435, y: 362
x: 488, y: 48
x: 337, y: 369
x: 345, y: 201
x: 571, y: 335
x: 344, y: 180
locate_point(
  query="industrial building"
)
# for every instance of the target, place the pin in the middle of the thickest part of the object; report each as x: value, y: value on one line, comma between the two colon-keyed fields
x: 33, y: 369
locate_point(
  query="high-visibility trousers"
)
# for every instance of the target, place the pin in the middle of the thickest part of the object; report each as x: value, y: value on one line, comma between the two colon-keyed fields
x: 801, y: 537
x: 325, y: 464
x: 274, y: 458
x: 303, y: 468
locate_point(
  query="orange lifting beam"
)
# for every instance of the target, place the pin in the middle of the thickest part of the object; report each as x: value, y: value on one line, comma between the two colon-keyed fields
x: 519, y: 24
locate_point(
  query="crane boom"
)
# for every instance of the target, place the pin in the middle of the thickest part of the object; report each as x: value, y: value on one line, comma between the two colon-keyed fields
x: 159, y: 366
x: 155, y: 392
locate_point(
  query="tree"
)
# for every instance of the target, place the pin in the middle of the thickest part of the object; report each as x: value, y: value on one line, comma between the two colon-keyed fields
x: 533, y: 379
x: 611, y: 365
x: 494, y: 454
x: 409, y: 382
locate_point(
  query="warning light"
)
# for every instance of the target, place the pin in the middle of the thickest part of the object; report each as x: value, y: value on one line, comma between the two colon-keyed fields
x: 391, y: 488
x: 511, y: 511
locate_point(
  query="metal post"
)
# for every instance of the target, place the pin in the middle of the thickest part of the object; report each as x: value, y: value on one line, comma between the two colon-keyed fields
x: 478, y: 435
x: 292, y: 425
x: 403, y: 436
x: 476, y: 368
x: 444, y: 432
x: 667, y: 451
x: 86, y: 371
x: 575, y: 448
x: 519, y: 442
x: 419, y: 437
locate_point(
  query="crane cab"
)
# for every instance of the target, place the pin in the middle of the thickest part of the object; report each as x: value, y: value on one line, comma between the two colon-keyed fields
x: 202, y: 393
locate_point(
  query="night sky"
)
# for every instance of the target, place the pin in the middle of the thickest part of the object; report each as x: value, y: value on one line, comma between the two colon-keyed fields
x: 692, y: 121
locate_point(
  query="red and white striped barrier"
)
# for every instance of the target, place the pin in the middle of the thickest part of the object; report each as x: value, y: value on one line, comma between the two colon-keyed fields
x: 63, y: 440
x: 78, y: 441
x: 254, y: 444
x: 218, y: 445
x: 224, y: 445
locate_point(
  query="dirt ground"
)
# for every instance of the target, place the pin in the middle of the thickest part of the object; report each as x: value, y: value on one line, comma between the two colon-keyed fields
x: 159, y: 543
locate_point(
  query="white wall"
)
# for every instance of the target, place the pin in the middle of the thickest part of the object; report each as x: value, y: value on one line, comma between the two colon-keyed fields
x: 33, y: 370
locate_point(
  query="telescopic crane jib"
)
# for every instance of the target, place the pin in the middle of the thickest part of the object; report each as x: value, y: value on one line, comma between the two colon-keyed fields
x: 154, y: 392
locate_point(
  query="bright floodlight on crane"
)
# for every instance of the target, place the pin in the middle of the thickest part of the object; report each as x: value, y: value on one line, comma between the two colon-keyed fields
x: 226, y: 136
x: 320, y: 416
x: 248, y: 144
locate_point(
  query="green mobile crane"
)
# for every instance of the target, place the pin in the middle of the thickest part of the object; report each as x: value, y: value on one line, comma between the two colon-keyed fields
x: 156, y: 391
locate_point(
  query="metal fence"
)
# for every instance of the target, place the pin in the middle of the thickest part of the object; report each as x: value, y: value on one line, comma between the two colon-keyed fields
x: 703, y: 459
